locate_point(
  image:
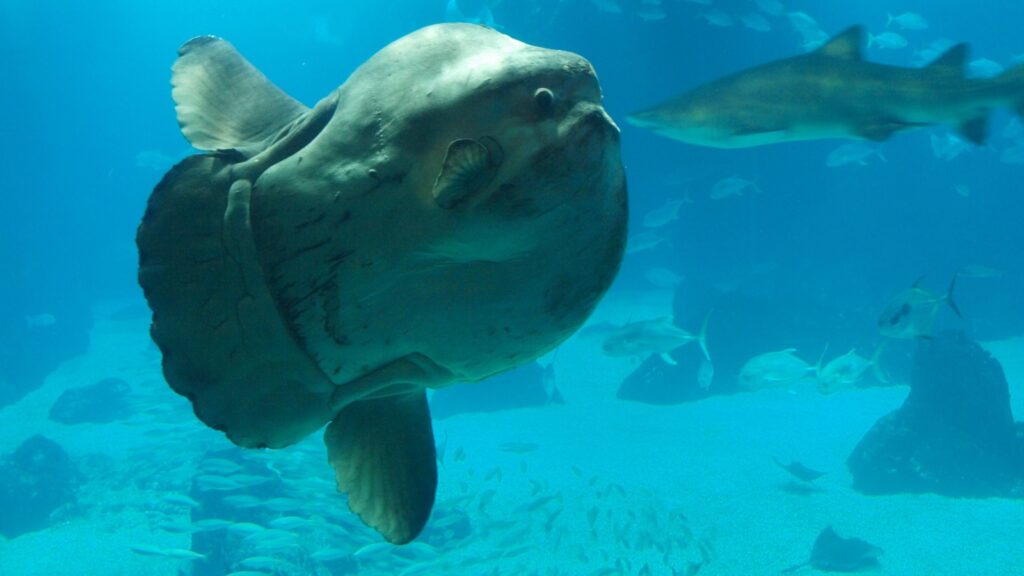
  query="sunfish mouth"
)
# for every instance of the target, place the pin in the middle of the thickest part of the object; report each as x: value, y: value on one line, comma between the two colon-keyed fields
x: 591, y: 122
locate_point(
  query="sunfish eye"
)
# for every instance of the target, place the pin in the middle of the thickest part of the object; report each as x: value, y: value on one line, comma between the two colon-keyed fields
x: 545, y: 99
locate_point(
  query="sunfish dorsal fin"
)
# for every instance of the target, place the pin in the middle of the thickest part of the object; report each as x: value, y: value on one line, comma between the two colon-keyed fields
x: 223, y: 102
x: 846, y: 45
x: 952, y: 61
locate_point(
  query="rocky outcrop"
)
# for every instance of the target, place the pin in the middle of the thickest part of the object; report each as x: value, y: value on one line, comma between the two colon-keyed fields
x: 954, y: 435
x: 35, y: 480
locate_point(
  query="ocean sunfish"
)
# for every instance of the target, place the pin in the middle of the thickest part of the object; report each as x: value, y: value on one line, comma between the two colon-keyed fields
x: 453, y: 210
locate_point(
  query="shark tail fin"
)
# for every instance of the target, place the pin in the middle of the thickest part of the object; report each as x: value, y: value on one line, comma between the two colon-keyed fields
x: 949, y: 297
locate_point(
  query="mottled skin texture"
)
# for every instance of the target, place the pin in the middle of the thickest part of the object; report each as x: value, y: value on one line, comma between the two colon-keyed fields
x: 455, y: 209
x: 831, y: 93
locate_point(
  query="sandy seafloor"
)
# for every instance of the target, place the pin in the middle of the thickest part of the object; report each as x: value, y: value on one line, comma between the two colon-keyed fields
x: 655, y: 486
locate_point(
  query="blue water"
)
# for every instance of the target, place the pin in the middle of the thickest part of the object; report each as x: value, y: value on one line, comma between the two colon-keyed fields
x: 89, y: 128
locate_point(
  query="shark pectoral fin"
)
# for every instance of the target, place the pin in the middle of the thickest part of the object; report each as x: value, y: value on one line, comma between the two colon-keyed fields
x: 469, y: 166
x: 223, y: 102
x: 384, y: 459
x: 883, y: 130
x: 974, y: 130
x: 846, y: 45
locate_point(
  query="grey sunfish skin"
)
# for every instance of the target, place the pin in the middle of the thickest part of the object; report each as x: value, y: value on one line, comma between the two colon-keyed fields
x: 834, y: 93
x: 455, y: 209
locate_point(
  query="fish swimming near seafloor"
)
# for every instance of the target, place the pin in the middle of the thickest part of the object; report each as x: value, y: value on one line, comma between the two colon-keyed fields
x: 773, y: 369
x: 844, y: 372
x: 834, y: 93
x: 455, y: 209
x: 799, y: 471
x: 911, y: 313
x: 833, y: 553
x: 658, y: 336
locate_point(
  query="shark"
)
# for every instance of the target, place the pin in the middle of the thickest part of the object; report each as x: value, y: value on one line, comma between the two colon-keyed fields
x: 833, y: 92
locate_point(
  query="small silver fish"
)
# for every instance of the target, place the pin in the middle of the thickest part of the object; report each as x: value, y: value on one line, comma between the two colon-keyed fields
x: 887, y: 41
x: 907, y: 21
x: 718, y: 18
x: 644, y: 241
x: 912, y: 312
x: 843, y: 372
x: 756, y: 22
x: 663, y: 278
x: 771, y: 7
x: 40, y: 321
x: 658, y: 336
x: 519, y: 447
x: 853, y: 153
x: 177, y: 553
x: 947, y: 146
x: 664, y: 214
x: 772, y: 369
x: 732, y: 186
x: 984, y: 68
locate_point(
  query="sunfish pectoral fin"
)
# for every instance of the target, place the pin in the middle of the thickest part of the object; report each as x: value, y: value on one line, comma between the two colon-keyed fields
x: 223, y: 102
x: 384, y: 459
x: 469, y: 166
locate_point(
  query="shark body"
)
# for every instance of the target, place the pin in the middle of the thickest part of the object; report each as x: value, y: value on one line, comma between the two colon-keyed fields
x: 834, y: 93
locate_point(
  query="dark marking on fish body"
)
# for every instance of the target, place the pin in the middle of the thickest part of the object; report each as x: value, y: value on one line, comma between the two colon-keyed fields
x: 315, y: 220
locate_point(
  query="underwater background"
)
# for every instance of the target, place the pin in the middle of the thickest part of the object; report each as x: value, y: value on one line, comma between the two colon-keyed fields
x: 586, y: 462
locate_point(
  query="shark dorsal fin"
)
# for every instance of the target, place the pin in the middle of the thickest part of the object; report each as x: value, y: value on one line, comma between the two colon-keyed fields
x: 952, y: 61
x: 846, y: 45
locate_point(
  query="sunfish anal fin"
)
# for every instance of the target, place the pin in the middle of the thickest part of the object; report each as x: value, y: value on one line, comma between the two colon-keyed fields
x: 223, y: 102
x: 469, y: 166
x: 384, y: 459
